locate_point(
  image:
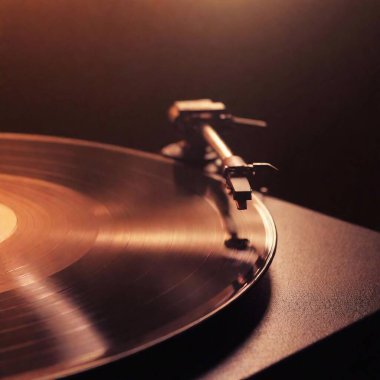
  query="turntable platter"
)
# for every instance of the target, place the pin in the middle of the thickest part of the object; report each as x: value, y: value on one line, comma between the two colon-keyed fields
x: 105, y: 251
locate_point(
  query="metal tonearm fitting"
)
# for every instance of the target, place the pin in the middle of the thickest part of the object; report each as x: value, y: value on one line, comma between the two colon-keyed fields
x: 198, y: 120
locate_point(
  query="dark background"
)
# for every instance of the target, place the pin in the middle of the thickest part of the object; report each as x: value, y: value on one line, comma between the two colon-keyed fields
x: 108, y: 70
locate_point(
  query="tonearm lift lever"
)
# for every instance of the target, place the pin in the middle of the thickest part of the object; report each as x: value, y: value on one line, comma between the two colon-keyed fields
x: 199, y: 121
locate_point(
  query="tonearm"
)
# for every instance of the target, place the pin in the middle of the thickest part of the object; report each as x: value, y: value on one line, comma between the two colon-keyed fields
x: 200, y: 121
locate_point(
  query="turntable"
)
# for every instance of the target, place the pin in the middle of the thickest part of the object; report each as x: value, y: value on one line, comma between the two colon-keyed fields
x: 106, y: 251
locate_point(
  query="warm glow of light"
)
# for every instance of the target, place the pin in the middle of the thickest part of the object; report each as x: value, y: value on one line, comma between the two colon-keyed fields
x: 78, y: 340
x: 8, y: 222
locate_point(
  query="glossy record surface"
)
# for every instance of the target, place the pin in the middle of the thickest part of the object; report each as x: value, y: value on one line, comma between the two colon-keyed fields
x: 105, y: 251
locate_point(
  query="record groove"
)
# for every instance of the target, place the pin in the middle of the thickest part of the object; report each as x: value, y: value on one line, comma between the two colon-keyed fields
x: 105, y: 251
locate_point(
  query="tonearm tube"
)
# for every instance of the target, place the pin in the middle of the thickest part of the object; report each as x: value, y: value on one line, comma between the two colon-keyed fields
x: 199, y: 121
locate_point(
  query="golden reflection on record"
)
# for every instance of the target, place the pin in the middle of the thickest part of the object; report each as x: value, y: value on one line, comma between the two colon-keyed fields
x: 105, y: 251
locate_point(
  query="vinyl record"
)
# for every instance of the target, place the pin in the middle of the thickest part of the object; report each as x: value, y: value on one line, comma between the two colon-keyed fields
x: 105, y: 251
